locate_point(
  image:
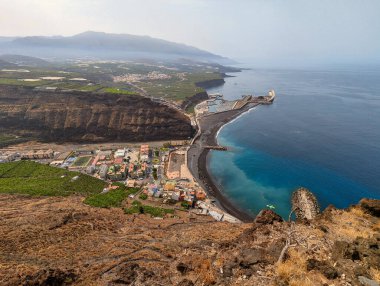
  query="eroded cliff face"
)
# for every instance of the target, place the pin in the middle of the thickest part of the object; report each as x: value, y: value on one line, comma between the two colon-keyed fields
x: 79, y: 116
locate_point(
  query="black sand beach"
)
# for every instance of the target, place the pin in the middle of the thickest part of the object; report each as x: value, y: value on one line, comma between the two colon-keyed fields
x: 197, y: 158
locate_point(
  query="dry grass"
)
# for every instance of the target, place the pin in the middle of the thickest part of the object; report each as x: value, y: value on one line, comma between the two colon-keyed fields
x: 206, y: 272
x: 302, y: 281
x: 294, y: 268
x: 353, y: 223
x: 375, y: 273
x: 357, y: 212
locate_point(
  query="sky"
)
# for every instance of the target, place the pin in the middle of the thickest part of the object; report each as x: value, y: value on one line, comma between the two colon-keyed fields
x: 267, y: 32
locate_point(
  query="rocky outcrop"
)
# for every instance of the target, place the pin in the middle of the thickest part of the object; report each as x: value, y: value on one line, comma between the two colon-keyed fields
x: 88, y: 117
x: 267, y: 217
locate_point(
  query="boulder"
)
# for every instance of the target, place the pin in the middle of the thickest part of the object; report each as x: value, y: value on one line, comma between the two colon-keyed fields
x: 267, y: 217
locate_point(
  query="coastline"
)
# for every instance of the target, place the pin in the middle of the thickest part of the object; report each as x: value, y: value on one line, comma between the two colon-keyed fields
x: 197, y: 158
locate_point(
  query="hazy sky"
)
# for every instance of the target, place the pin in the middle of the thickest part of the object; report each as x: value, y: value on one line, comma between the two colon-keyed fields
x: 266, y: 31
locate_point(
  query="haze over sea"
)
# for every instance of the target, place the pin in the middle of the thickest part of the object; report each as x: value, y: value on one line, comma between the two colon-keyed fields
x: 322, y: 132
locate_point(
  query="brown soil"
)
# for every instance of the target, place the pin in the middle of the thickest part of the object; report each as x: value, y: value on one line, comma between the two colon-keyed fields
x: 61, y: 241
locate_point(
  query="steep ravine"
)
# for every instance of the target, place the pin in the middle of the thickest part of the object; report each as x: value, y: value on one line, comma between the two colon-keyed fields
x: 88, y: 117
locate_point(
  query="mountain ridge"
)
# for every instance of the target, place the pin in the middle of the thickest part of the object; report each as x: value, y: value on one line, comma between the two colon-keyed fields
x: 104, y: 45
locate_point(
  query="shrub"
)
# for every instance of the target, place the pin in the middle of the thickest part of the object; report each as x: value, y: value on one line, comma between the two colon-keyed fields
x: 143, y: 196
x: 112, y: 198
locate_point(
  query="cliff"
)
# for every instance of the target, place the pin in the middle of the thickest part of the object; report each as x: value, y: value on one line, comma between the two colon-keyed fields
x: 61, y: 241
x: 190, y: 102
x: 88, y: 117
x: 194, y: 100
x: 210, y: 83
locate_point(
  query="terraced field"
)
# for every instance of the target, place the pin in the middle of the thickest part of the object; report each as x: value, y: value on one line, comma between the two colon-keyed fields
x: 27, y: 177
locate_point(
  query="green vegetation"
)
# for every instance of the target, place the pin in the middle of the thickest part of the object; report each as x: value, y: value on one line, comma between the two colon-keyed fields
x: 199, y: 77
x: 185, y: 205
x: 190, y: 108
x: 154, y: 173
x: 117, y: 91
x: 94, y: 87
x: 14, y: 81
x: 177, y: 89
x: 172, y: 89
x: 143, y: 197
x: 28, y: 177
x: 81, y: 161
x: 137, y: 207
x: 113, y: 198
x: 6, y: 140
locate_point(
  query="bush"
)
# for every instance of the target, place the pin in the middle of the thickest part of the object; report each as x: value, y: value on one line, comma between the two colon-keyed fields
x: 185, y: 205
x: 112, y: 198
x: 143, y: 196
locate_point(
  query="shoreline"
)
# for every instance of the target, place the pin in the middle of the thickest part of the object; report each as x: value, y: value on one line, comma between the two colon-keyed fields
x: 210, y: 126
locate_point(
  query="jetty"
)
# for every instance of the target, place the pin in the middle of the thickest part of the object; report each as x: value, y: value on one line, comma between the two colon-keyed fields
x: 217, y: 147
x: 260, y: 99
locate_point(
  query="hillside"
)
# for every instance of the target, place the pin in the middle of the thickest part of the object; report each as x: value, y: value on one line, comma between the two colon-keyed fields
x: 61, y: 241
x: 88, y: 117
x: 5, y: 64
x: 28, y: 177
x: 20, y: 60
x: 103, y: 45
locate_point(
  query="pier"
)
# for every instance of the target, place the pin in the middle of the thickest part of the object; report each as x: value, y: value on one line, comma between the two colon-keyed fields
x: 217, y: 147
x: 261, y: 99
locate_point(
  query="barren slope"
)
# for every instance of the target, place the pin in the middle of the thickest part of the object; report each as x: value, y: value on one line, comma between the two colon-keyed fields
x: 60, y: 241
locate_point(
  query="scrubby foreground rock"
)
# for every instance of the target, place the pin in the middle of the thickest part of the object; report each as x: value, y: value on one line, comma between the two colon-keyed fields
x: 60, y: 241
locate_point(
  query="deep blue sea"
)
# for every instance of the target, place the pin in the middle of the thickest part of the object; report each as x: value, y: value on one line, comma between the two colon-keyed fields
x: 322, y: 132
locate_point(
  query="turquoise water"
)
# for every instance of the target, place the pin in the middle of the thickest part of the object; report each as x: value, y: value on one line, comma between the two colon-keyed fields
x: 322, y: 132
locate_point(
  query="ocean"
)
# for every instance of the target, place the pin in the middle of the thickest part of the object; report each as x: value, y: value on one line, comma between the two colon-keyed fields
x: 322, y: 132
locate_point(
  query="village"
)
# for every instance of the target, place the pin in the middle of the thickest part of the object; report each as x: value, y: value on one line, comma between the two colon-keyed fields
x: 160, y: 173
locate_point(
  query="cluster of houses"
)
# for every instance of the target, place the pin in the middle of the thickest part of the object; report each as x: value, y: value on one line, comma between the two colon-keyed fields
x: 114, y: 165
x: 160, y: 172
x: 9, y: 156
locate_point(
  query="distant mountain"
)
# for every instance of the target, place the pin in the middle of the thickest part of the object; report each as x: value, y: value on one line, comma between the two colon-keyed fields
x: 104, y: 46
x: 5, y: 64
x: 20, y: 60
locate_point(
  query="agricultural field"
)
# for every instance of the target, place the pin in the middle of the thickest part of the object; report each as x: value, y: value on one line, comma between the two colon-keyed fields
x: 31, y: 178
x: 177, y: 81
x: 117, y: 91
x: 113, y: 198
x: 176, y: 89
